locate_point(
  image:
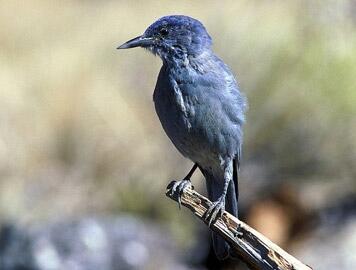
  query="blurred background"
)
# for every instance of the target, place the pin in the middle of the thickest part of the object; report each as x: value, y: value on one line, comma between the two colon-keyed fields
x: 84, y: 162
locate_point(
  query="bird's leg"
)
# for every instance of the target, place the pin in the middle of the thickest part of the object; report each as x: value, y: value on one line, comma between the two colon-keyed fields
x: 235, y: 178
x: 181, y: 185
x: 217, y: 208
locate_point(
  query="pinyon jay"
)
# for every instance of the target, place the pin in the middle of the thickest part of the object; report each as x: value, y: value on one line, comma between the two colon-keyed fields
x: 198, y: 102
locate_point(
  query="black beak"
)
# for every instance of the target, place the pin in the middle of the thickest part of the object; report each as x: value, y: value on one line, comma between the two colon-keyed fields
x: 139, y: 41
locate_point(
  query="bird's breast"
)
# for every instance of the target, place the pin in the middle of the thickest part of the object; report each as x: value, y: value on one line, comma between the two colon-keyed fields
x: 176, y: 111
x: 198, y: 116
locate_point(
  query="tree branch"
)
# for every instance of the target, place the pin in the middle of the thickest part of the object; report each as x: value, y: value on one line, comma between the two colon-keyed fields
x: 256, y: 250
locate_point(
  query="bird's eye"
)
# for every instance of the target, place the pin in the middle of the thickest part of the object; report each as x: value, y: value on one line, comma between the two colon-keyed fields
x: 163, y: 32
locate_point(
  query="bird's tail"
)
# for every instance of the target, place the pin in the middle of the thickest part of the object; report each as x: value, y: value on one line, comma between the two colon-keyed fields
x: 215, y: 189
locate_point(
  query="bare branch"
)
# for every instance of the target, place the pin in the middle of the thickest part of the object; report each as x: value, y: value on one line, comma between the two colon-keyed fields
x: 256, y: 250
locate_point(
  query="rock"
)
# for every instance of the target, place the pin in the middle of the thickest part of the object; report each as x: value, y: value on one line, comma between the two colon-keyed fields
x: 121, y: 243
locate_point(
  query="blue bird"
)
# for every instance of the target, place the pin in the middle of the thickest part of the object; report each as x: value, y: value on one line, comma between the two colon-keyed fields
x: 198, y: 102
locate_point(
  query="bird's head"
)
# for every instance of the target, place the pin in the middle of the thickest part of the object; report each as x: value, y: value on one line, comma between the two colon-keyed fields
x: 173, y: 37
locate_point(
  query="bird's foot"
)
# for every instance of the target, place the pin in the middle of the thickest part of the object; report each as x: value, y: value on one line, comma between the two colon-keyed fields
x: 215, y: 211
x: 179, y: 187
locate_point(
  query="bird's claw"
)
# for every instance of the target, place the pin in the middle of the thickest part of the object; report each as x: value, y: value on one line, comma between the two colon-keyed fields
x: 215, y: 211
x: 179, y: 187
